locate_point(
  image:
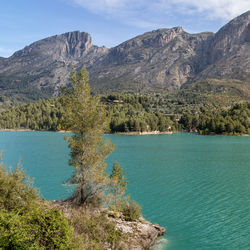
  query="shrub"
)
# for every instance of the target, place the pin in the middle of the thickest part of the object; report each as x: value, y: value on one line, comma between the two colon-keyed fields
x: 16, y: 191
x: 26, y: 221
x: 95, y: 230
x: 40, y: 229
x: 131, y: 211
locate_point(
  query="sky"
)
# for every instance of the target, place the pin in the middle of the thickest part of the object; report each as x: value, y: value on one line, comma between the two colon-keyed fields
x: 109, y: 22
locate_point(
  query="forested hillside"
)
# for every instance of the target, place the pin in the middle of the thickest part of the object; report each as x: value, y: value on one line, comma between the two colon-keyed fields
x: 125, y: 113
x: 235, y: 121
x: 137, y: 113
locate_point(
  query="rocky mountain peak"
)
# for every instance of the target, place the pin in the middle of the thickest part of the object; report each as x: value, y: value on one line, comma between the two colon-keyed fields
x: 68, y: 45
x: 236, y: 30
x: 160, y: 37
x: 227, y: 53
x: 142, y: 47
x: 78, y: 43
x: 164, y: 36
x: 231, y: 36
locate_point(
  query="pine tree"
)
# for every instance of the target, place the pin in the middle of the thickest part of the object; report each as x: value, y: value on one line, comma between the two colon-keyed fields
x: 118, y: 185
x: 85, y: 117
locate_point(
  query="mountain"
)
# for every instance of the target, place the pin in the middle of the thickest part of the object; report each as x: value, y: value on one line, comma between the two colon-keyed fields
x: 161, y: 59
x: 40, y: 68
x: 228, y: 53
x: 164, y: 59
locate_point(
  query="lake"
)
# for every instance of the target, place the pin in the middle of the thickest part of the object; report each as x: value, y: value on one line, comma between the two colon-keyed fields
x: 196, y: 186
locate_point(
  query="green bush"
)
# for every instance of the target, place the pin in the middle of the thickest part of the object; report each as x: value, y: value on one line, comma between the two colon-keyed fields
x: 41, y: 228
x: 26, y: 221
x: 131, y: 211
x: 16, y: 191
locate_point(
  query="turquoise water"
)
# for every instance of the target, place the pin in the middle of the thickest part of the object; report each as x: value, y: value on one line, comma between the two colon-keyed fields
x: 196, y: 186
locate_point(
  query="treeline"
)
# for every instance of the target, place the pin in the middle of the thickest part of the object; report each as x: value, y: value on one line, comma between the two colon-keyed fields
x: 125, y: 112
x: 235, y: 121
x: 41, y: 115
x: 133, y: 113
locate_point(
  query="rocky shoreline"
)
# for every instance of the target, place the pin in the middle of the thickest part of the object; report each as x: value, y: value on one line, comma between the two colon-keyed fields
x: 137, y: 235
x: 143, y: 234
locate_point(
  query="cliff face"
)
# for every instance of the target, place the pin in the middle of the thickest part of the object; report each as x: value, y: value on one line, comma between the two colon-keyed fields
x: 45, y: 65
x: 228, y: 52
x: 230, y: 37
x: 161, y: 59
x: 67, y: 46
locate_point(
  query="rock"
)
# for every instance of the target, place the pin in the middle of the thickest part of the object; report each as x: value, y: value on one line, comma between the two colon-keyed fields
x: 141, y: 233
x: 228, y: 52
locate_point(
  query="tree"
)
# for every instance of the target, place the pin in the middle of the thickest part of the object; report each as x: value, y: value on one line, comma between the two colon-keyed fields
x: 118, y: 185
x: 85, y: 117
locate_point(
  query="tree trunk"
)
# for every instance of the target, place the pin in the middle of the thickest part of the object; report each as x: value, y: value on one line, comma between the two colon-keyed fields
x: 83, y: 198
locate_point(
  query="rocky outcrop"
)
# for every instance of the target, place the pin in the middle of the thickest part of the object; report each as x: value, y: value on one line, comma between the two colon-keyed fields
x: 135, y: 235
x: 71, y: 45
x: 228, y: 52
x: 163, y: 59
x: 230, y: 38
x: 143, y: 233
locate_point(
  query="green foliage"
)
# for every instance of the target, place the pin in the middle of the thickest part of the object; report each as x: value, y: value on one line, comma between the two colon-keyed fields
x: 27, y: 222
x: 126, y: 112
x: 41, y: 115
x: 86, y: 118
x: 131, y: 211
x: 16, y: 191
x: 40, y: 228
x: 135, y: 113
x: 235, y: 121
x: 131, y: 112
x: 118, y: 186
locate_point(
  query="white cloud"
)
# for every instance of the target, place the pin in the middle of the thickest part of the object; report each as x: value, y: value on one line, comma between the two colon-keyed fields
x: 218, y: 9
x: 150, y: 13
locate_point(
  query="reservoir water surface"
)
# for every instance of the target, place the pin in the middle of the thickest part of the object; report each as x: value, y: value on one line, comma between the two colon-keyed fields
x: 196, y: 186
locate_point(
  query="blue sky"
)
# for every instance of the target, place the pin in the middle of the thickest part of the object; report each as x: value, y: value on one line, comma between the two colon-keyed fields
x: 109, y: 22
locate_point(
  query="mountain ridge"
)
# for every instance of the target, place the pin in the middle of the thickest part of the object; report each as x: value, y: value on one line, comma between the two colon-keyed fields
x: 163, y: 59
